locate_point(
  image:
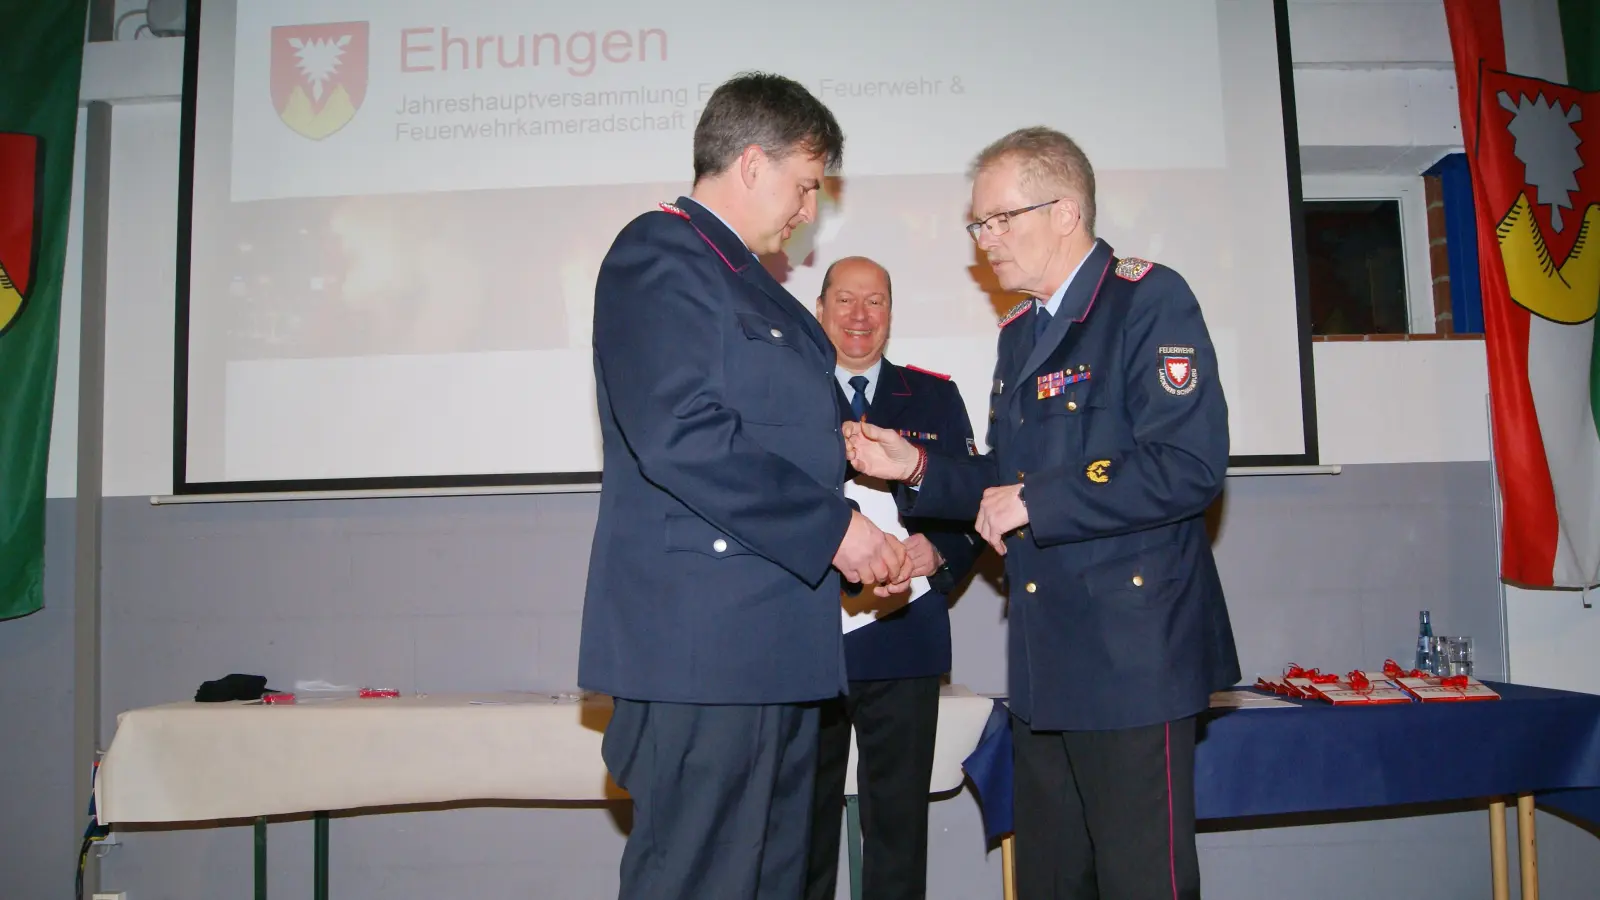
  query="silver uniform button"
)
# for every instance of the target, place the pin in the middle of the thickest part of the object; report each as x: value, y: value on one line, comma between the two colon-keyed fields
x: 776, y: 333
x: 719, y: 545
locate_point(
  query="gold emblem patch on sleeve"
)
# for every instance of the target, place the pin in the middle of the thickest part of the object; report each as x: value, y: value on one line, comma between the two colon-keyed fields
x: 1099, y: 471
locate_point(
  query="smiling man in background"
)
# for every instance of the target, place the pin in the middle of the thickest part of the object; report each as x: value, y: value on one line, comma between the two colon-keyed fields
x: 896, y: 650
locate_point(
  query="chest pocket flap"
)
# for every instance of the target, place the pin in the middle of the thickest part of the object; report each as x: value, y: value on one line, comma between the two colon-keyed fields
x: 1139, y: 576
x: 778, y: 334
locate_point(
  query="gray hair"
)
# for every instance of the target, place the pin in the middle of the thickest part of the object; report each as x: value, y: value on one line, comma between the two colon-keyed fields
x: 1050, y: 163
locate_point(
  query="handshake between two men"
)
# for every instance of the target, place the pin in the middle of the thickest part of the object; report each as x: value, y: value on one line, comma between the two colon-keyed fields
x: 884, y: 453
x: 868, y: 555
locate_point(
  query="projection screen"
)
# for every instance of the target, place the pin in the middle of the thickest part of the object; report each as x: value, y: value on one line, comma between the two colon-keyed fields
x: 394, y: 210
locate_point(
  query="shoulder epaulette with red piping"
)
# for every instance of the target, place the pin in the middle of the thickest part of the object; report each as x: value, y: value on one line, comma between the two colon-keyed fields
x: 929, y: 372
x: 1015, y: 313
x: 678, y: 211
x: 1132, y: 268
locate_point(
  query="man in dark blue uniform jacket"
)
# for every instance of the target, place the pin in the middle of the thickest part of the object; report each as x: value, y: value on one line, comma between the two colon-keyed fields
x: 711, y: 614
x: 896, y: 661
x: 1110, y: 438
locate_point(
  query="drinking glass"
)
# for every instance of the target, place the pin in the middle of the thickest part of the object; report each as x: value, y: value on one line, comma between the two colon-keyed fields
x: 1453, y: 654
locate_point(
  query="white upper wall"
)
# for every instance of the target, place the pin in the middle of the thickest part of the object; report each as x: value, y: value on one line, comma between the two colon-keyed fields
x: 1402, y: 401
x: 1376, y: 95
x: 62, y: 471
x: 1375, y: 85
x: 1369, y: 33
x: 140, y: 303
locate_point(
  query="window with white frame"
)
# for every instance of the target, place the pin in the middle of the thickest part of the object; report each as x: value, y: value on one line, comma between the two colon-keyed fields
x: 1367, y: 255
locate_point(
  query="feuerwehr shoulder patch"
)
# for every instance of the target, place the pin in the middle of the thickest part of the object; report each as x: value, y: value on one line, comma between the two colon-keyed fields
x: 1177, y: 369
x: 1132, y: 268
x: 1015, y: 313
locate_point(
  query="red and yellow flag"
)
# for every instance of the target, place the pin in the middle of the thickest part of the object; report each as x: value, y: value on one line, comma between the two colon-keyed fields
x: 1533, y: 147
x: 19, y: 222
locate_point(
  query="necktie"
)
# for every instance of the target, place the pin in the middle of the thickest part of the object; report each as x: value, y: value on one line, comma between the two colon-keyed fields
x: 1041, y: 321
x: 858, y: 403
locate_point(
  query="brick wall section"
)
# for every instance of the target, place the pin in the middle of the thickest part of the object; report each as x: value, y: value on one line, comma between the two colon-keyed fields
x: 1438, y: 256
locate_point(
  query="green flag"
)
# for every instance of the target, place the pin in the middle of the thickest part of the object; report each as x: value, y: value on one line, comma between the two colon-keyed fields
x: 41, y: 59
x: 1580, y: 36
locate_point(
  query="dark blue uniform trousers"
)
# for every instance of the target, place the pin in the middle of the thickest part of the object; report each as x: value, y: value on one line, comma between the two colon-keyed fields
x: 895, y: 723
x: 1136, y: 785
x: 721, y: 798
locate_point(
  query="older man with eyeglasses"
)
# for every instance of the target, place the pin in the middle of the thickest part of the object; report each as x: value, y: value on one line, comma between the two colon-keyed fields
x: 1109, y: 437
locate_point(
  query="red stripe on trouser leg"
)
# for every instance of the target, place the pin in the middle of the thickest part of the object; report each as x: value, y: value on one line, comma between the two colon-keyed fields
x: 1172, y: 842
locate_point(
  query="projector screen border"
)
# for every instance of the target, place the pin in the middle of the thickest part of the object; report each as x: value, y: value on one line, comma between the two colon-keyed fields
x: 181, y: 281
x: 1305, y: 462
x: 573, y: 488
x: 1309, y: 455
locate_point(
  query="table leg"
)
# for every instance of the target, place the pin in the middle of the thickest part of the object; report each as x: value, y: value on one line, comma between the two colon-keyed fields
x: 852, y: 836
x: 1008, y: 866
x: 1527, y: 849
x: 261, y: 858
x: 1497, y: 850
x: 319, y: 856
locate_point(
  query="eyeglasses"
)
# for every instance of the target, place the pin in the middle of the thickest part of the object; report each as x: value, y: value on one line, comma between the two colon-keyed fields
x: 1000, y: 222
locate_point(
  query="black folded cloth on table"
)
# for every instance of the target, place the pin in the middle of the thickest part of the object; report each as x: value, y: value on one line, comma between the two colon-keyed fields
x: 233, y: 687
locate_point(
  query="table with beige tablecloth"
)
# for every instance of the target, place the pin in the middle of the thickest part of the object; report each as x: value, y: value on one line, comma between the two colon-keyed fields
x: 191, y: 762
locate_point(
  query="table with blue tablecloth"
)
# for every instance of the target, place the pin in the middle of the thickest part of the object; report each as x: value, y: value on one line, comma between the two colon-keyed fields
x: 1317, y: 757
x: 1583, y: 805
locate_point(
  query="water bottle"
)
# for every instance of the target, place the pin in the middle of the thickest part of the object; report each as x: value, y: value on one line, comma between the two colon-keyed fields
x: 1425, y: 656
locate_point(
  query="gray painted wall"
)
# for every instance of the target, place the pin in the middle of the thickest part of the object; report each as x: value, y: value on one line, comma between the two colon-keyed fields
x: 485, y: 593
x: 39, y: 828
